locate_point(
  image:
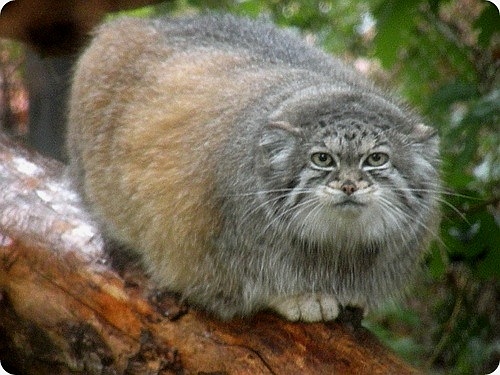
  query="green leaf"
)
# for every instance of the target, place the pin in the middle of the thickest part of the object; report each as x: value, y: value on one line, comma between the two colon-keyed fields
x: 485, y: 246
x: 485, y: 110
x: 395, y: 23
x: 453, y: 92
x: 473, y: 240
x: 488, y: 23
x: 435, y: 263
x: 489, y: 267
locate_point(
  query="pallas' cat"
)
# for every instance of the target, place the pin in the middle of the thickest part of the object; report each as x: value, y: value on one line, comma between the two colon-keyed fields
x: 248, y: 169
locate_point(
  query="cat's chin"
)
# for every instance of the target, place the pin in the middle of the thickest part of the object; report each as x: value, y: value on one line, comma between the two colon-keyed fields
x: 344, y: 226
x: 349, y: 207
x: 348, y: 204
x: 347, y: 211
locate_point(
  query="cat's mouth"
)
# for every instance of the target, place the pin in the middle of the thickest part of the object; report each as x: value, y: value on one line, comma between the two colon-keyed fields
x: 354, y: 202
x: 349, y: 203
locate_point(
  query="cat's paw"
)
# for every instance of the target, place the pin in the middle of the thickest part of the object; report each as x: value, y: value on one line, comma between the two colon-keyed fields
x: 307, y: 307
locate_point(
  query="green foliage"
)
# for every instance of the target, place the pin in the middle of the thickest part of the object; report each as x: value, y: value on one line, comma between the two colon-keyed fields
x: 401, y: 320
x: 444, y: 56
x: 393, y: 33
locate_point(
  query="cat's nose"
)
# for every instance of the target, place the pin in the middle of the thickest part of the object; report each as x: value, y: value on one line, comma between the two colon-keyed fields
x: 348, y: 187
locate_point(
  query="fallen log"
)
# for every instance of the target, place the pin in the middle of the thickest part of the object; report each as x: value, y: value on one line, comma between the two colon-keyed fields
x: 64, y: 309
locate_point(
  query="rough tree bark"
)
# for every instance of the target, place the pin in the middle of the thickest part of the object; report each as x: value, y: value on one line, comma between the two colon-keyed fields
x: 64, y: 309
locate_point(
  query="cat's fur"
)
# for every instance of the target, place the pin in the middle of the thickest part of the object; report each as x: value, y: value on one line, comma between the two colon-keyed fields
x: 194, y: 142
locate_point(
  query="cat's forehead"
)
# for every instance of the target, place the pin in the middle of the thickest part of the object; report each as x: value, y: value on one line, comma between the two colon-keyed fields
x: 332, y: 107
x: 352, y: 135
x: 353, y: 130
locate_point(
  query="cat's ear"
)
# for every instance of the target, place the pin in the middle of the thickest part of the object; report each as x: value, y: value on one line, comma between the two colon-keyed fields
x: 287, y: 127
x: 426, y: 142
x: 422, y: 133
x: 277, y: 134
x: 277, y: 142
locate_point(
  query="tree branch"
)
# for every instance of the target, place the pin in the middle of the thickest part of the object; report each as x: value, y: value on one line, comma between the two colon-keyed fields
x: 64, y: 309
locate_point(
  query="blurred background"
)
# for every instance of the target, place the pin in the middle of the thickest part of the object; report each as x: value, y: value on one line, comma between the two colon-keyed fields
x: 442, y: 56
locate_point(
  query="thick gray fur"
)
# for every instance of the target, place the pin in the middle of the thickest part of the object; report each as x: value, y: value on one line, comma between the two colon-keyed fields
x: 294, y: 237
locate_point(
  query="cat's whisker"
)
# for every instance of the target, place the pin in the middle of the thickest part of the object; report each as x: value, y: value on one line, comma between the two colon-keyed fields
x: 247, y: 215
x: 309, y: 216
x: 410, y: 219
x: 437, y: 193
x: 397, y: 216
x: 437, y: 198
x: 441, y: 192
x: 454, y: 209
x: 299, y: 206
x: 434, y: 188
x: 271, y: 201
x: 263, y: 192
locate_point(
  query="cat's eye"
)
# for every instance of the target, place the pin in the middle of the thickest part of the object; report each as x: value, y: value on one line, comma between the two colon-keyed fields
x: 322, y: 160
x: 377, y: 159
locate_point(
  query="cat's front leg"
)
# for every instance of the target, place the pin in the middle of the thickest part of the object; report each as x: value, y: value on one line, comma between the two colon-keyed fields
x: 307, y: 307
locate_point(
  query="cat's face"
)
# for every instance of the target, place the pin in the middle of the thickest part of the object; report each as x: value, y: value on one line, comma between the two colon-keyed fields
x: 349, y: 171
x: 346, y: 166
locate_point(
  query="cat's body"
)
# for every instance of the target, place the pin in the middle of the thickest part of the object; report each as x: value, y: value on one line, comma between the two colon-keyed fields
x: 250, y: 170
